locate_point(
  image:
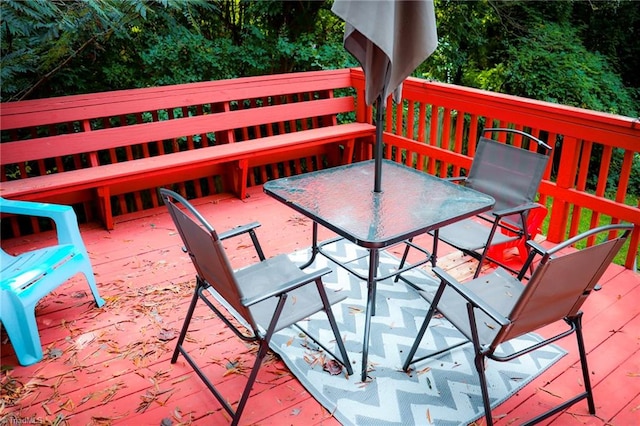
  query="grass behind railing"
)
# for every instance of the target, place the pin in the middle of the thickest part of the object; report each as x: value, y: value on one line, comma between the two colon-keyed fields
x: 585, y: 224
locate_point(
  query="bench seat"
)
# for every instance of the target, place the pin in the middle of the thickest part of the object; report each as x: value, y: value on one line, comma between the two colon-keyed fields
x: 112, y: 179
x: 108, y: 153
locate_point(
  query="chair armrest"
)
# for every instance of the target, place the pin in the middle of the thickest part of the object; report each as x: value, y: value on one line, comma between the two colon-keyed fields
x: 245, y: 229
x: 626, y: 228
x: 288, y: 286
x: 470, y: 296
x: 536, y: 247
x: 242, y: 229
x: 515, y: 210
x: 64, y: 217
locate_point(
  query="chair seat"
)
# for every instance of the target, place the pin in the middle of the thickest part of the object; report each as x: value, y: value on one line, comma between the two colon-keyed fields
x: 23, y: 270
x: 265, y: 277
x: 28, y: 277
x: 509, y: 169
x: 472, y: 235
x: 500, y: 290
x: 264, y: 297
x: 496, y: 308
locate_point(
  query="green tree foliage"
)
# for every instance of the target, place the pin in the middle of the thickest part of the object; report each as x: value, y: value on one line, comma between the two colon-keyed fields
x: 551, y: 64
x: 569, y: 52
x: 46, y: 46
x: 612, y: 29
x: 230, y: 38
x: 572, y: 52
x: 66, y: 46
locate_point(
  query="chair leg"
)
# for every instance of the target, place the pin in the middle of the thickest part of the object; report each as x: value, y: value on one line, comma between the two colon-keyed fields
x: 479, y: 363
x: 418, y: 340
x: 587, y: 394
x: 424, y: 326
x: 478, y: 360
x: 87, y: 271
x: 485, y: 251
x: 334, y: 327
x: 404, y: 259
x: 262, y: 351
x: 22, y: 329
x: 583, y: 361
x: 187, y: 320
x: 481, y: 261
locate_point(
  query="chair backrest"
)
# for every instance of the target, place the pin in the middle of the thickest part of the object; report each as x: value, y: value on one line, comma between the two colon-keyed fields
x: 508, y: 173
x: 206, y: 251
x: 560, y: 285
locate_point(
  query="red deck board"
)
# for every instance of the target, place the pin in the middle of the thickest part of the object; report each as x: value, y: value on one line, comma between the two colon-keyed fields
x: 630, y: 414
x: 147, y: 282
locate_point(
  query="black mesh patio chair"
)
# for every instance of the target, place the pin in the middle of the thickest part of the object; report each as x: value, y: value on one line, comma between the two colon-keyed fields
x: 509, y: 174
x: 264, y: 297
x: 497, y: 307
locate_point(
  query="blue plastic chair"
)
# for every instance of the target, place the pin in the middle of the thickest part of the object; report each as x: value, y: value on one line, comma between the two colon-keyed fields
x: 28, y: 277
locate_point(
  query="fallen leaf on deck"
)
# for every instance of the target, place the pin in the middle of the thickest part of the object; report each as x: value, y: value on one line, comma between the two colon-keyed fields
x: 233, y: 367
x: 152, y: 396
x: 166, y: 335
x: 107, y: 420
x: 86, y: 398
x: 12, y: 389
x: 79, y: 294
x: 333, y: 367
x: 177, y: 414
x: 84, y: 339
x: 424, y: 370
x: 68, y: 405
x: 354, y: 310
x: 55, y: 353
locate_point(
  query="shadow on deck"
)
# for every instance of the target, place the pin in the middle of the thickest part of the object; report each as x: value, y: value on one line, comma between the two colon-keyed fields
x: 111, y: 365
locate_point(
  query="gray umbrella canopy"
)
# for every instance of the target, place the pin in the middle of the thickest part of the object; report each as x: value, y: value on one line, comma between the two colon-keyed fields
x: 389, y: 39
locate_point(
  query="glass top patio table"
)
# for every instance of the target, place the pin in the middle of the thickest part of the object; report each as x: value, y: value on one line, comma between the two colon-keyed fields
x: 411, y: 203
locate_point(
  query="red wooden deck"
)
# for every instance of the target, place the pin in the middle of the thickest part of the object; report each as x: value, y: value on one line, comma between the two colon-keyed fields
x: 111, y: 365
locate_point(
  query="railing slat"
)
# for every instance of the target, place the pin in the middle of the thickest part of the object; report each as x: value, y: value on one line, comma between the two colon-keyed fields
x: 570, y: 131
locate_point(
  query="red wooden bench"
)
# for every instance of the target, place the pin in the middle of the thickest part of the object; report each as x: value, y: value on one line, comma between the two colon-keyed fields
x: 108, y: 152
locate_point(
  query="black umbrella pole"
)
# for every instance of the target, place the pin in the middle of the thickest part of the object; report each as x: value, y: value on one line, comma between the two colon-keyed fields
x: 377, y: 154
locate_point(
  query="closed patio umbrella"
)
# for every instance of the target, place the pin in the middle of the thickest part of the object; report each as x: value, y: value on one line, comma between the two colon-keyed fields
x: 389, y: 39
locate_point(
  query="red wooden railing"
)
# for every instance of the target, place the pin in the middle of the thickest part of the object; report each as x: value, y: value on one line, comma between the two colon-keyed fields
x: 435, y: 127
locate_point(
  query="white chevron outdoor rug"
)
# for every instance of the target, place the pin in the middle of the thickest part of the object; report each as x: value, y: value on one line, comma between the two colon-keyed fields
x: 441, y: 391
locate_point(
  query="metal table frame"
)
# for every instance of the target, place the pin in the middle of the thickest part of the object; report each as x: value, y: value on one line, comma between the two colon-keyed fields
x: 411, y: 203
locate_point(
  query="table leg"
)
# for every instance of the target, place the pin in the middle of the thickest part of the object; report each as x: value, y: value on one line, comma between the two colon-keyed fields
x: 434, y: 252
x: 314, y: 246
x: 374, y: 258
